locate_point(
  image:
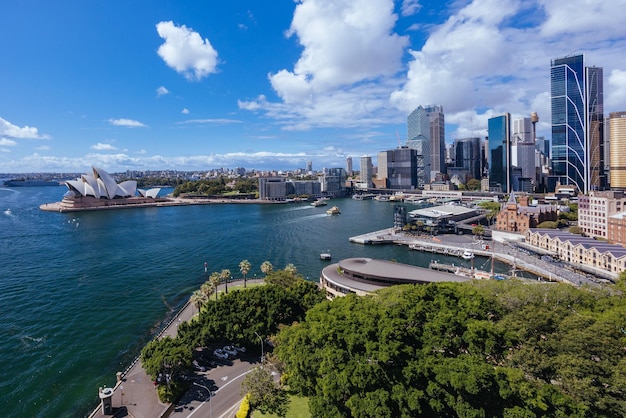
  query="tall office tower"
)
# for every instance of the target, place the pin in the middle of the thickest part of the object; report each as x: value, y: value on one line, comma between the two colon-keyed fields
x: 418, y: 138
x: 499, y: 131
x: 437, y: 140
x: 349, y: 166
x: 607, y: 150
x: 618, y: 149
x: 468, y: 156
x: 309, y: 167
x: 577, y: 124
x: 543, y: 145
x: 367, y: 170
x: 523, y: 151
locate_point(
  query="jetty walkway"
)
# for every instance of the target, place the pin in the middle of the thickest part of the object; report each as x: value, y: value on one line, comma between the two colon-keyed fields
x: 456, y: 244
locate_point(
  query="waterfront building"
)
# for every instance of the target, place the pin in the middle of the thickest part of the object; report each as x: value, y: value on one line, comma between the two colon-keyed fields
x: 398, y: 168
x: 499, y: 131
x: 519, y: 216
x: 333, y: 182
x: 363, y: 276
x: 595, y: 208
x: 617, y: 134
x: 584, y: 253
x: 280, y: 188
x: 577, y: 124
x: 367, y: 172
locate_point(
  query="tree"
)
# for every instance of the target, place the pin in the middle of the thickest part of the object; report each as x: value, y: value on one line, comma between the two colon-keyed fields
x: 198, y: 299
x: 265, y: 395
x: 244, y: 267
x: 291, y: 269
x: 167, y: 356
x: 215, y: 280
x: 478, y: 230
x: 473, y: 184
x: 267, y: 267
x: 225, y: 275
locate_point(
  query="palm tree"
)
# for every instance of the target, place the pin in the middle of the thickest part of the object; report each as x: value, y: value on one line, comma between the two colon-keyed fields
x: 207, y: 288
x: 215, y: 280
x: 267, y: 267
x: 225, y: 275
x: 198, y: 299
x: 291, y: 269
x: 244, y: 267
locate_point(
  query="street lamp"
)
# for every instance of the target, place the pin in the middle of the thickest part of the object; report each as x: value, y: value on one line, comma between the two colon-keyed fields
x: 260, y: 339
x: 210, y: 396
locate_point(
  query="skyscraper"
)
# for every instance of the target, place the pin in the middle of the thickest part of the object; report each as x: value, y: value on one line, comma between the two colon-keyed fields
x: 618, y: 149
x: 398, y: 168
x: 437, y: 140
x: 499, y: 131
x: 577, y: 124
x: 366, y: 170
x: 523, y: 151
x: 418, y: 125
x: 349, y: 166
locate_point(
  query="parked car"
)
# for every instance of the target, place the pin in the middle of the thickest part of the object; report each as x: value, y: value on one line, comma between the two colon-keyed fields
x: 219, y: 353
x: 198, y: 366
x: 240, y: 349
x: 230, y: 350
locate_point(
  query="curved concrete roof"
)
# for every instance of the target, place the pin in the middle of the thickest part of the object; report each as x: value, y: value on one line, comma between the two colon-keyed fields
x: 102, y: 185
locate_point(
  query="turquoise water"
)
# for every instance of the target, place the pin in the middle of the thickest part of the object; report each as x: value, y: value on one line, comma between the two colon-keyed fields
x: 81, y: 293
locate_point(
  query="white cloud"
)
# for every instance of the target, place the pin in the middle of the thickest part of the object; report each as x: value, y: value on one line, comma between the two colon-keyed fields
x: 583, y: 20
x: 410, y: 7
x: 14, y: 131
x: 616, y: 92
x: 43, y: 148
x: 162, y: 91
x: 5, y: 142
x: 127, y: 122
x: 103, y: 147
x: 185, y: 111
x: 186, y: 52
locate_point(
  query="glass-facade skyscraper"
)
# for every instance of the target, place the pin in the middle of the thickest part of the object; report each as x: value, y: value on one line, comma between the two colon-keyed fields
x: 499, y: 155
x: 577, y: 123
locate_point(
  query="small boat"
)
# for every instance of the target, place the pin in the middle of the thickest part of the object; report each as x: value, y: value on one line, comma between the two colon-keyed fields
x: 319, y: 202
x: 333, y: 211
x: 325, y: 256
x: 467, y: 255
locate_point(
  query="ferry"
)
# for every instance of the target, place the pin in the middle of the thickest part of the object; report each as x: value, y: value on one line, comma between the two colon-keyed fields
x: 319, y: 202
x: 325, y: 256
x: 333, y: 211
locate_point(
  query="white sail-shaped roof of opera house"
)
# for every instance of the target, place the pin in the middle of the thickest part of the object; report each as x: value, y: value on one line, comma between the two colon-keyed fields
x: 102, y: 185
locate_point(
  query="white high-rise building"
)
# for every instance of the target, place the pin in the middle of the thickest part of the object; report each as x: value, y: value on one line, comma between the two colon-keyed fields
x: 523, y: 148
x: 367, y: 171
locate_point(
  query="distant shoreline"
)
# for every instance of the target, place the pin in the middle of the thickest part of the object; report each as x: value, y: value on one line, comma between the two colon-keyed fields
x: 161, y: 202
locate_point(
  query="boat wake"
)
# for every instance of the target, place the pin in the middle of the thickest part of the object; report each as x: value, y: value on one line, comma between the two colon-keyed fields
x: 8, y: 212
x: 32, y: 342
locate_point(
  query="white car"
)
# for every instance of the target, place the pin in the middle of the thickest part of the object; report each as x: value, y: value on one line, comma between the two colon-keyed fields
x: 198, y: 366
x: 219, y: 353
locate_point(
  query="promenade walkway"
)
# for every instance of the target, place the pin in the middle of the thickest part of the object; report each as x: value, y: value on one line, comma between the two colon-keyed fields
x: 134, y: 394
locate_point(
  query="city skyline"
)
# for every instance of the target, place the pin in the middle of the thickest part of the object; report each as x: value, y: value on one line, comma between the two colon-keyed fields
x: 138, y: 86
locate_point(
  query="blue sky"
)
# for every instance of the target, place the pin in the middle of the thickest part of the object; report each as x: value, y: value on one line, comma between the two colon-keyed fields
x: 195, y: 85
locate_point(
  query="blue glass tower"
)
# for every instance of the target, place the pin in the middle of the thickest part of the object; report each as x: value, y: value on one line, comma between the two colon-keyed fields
x: 577, y: 124
x: 499, y: 132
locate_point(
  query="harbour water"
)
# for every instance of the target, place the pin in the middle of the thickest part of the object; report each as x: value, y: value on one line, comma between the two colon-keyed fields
x: 81, y: 293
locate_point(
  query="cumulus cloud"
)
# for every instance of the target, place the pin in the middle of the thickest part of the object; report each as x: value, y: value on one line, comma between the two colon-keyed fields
x: 5, y: 142
x: 185, y: 111
x: 219, y: 121
x: 410, y: 7
x: 162, y: 91
x: 17, y: 132
x: 130, y: 123
x: 103, y: 147
x: 186, y: 52
x: 616, y: 92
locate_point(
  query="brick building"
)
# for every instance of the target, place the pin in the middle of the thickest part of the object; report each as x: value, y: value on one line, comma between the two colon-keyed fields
x: 519, y: 216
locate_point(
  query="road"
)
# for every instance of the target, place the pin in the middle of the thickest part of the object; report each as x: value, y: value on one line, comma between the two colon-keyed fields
x: 224, y: 381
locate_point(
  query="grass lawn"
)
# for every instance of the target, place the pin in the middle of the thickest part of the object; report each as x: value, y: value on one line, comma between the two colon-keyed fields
x: 298, y: 408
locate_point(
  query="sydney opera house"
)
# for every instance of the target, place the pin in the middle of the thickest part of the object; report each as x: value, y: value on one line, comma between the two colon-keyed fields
x: 99, y: 190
